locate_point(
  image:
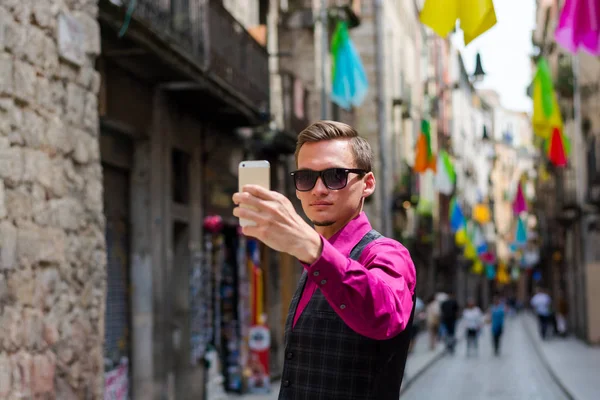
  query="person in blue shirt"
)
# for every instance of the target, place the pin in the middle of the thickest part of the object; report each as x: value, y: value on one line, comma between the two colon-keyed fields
x: 497, y: 312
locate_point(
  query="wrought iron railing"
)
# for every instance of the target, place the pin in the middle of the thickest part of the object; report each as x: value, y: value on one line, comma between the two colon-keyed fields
x: 206, y: 32
x: 235, y: 56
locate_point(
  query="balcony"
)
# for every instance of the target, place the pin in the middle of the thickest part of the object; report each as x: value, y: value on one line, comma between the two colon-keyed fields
x: 196, y: 45
x: 295, y: 103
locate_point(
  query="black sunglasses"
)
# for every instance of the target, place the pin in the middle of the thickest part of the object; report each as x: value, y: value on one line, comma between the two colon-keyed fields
x: 333, y: 178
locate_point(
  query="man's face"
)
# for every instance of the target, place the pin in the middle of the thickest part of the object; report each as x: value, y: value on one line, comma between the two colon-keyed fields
x: 332, y: 208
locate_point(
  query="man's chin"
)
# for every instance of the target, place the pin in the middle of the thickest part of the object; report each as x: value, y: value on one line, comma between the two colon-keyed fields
x: 323, y: 223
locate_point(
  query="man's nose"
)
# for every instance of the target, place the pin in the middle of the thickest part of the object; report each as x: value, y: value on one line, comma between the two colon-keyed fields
x: 320, y: 187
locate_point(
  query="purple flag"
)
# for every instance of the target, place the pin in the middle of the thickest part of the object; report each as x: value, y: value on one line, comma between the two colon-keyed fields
x: 579, y: 26
x: 519, y: 204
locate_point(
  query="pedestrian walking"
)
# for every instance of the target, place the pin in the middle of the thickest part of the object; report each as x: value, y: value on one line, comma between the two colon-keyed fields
x: 542, y: 305
x: 433, y: 321
x: 473, y: 320
x: 449, y: 311
x: 348, y: 327
x: 496, y: 315
x: 562, y: 310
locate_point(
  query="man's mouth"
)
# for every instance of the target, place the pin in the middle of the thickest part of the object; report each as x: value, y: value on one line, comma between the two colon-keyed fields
x: 321, y: 203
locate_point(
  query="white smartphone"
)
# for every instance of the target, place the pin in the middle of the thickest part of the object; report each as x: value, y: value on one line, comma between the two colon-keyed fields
x: 256, y: 172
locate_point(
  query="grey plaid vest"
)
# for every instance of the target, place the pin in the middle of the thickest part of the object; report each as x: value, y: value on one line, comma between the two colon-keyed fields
x: 326, y: 360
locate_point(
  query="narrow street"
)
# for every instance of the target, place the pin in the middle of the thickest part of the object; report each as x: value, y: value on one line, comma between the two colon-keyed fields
x: 518, y: 373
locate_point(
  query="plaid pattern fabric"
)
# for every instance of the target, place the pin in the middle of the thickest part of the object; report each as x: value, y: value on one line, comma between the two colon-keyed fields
x: 326, y: 360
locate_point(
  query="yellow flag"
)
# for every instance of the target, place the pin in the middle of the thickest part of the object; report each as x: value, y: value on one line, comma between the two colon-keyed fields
x: 478, y: 267
x: 481, y: 213
x: 470, y: 252
x: 476, y: 17
x: 461, y: 238
x: 440, y: 15
x: 543, y: 125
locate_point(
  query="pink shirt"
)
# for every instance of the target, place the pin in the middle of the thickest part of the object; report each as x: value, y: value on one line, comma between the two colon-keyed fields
x: 372, y: 296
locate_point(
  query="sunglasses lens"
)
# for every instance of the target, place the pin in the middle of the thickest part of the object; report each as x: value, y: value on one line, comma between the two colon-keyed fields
x: 335, y: 178
x: 305, y: 180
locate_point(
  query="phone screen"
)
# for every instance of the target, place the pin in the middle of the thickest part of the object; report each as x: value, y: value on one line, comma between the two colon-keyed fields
x: 255, y: 172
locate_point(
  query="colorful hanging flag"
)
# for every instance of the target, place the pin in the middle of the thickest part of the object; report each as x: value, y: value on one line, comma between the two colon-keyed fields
x: 349, y: 80
x: 521, y: 233
x: 479, y: 241
x: 445, y: 177
x: 478, y: 267
x: 546, y: 113
x: 476, y: 16
x: 556, y: 151
x: 490, y: 271
x: 460, y: 237
x: 457, y: 218
x: 519, y: 204
x: 481, y: 213
x: 579, y: 26
x: 424, y: 158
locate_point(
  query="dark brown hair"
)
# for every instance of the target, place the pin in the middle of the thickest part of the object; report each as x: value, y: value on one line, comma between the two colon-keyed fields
x: 332, y: 130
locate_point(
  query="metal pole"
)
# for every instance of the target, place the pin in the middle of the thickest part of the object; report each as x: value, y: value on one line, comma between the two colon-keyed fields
x: 386, y: 218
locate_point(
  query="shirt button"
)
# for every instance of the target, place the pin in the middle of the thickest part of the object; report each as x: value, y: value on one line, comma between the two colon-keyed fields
x: 316, y: 273
x: 286, y: 383
x: 289, y: 356
x: 323, y: 282
x: 342, y: 306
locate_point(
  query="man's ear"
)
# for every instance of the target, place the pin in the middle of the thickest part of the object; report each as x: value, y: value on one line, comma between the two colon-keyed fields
x: 369, y: 184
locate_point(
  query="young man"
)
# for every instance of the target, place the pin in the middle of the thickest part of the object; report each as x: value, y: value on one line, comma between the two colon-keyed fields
x: 497, y: 312
x: 348, y: 328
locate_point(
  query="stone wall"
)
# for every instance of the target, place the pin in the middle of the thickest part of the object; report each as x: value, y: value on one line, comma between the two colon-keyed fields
x: 52, y: 251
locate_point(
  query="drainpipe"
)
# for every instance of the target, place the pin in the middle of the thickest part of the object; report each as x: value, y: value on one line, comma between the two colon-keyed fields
x: 386, y: 204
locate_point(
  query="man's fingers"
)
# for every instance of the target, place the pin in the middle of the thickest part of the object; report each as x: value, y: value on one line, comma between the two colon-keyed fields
x: 260, y: 192
x: 248, y: 199
x: 248, y: 213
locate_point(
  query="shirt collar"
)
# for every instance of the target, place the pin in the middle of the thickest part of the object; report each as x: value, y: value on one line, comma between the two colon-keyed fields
x: 346, y: 238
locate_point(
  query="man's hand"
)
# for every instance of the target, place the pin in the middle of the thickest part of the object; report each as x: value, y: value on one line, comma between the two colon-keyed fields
x: 277, y: 223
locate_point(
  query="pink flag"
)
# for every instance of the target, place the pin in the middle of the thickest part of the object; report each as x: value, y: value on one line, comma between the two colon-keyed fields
x: 519, y: 204
x: 579, y: 26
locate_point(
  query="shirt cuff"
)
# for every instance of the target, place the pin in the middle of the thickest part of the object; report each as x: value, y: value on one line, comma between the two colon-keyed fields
x: 328, y: 268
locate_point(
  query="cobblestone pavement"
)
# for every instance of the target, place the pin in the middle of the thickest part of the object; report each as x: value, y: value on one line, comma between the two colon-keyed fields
x: 518, y: 373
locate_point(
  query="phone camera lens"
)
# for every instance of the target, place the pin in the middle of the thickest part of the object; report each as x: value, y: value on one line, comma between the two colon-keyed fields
x: 243, y: 165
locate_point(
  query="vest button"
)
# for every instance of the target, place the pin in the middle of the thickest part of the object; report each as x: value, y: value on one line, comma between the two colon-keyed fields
x: 323, y: 282
x: 289, y: 355
x: 316, y: 273
x: 286, y: 383
x: 342, y: 306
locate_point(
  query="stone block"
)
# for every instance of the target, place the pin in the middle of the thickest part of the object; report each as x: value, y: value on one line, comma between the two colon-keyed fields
x: 90, y: 116
x: 37, y: 167
x: 33, y: 129
x: 8, y: 245
x: 11, y: 165
x: 86, y: 147
x: 19, y: 203
x: 43, y: 16
x: 34, y: 52
x: 59, y: 182
x: 5, y: 376
x: 94, y: 196
x: 71, y: 39
x: 50, y: 56
x: 3, y: 212
x: 47, y: 290
x: 6, y: 74
x: 66, y: 213
x: 91, y: 27
x: 75, y: 104
x: 33, y: 330
x: 12, y: 336
x: 36, y: 245
x: 44, y: 94
x: 22, y: 10
x: 15, y: 37
x: 57, y: 136
x: 4, y: 18
x: 24, y: 81
x: 44, y: 369
x: 22, y: 365
x: 59, y: 95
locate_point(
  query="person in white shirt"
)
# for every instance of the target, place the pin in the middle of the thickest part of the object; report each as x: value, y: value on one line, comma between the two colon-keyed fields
x: 473, y: 320
x: 542, y: 305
